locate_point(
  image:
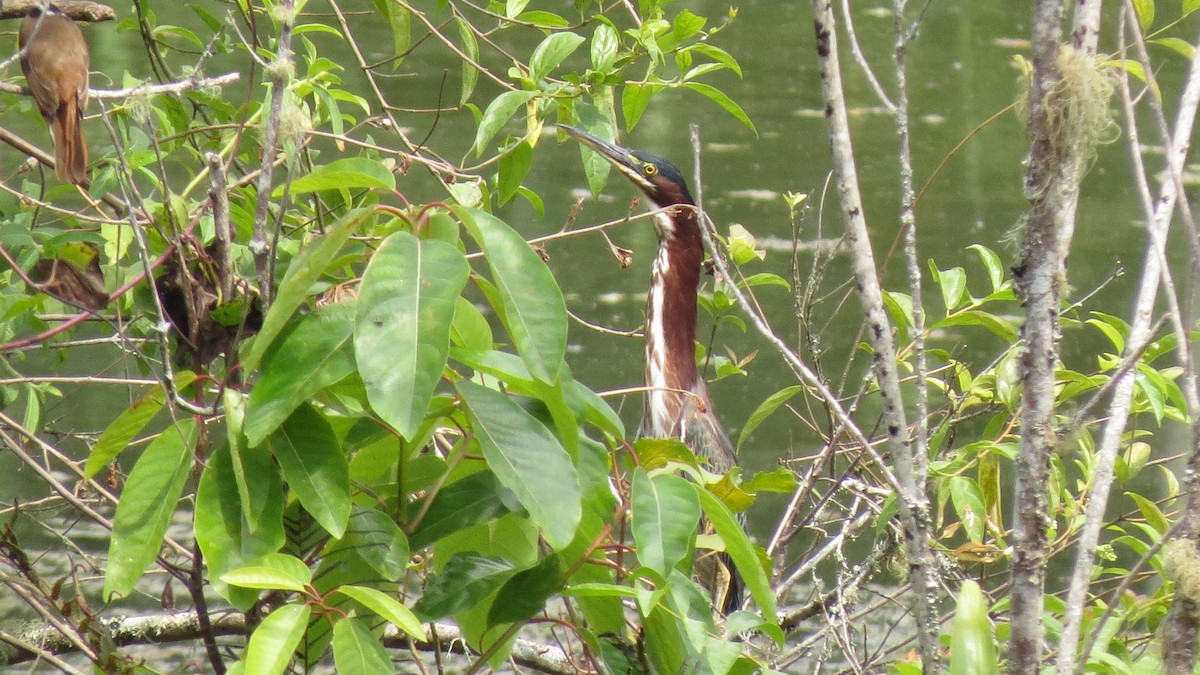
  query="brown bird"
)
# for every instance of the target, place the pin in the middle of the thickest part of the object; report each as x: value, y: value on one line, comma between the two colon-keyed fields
x: 54, y: 58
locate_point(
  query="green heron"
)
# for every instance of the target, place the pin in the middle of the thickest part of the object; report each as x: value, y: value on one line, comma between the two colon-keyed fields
x: 677, y: 404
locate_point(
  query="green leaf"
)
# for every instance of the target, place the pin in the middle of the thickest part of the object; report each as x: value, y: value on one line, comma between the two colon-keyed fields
x: 376, y: 539
x: 595, y: 166
x: 511, y: 170
x: 402, y: 325
x: 311, y: 353
x: 498, y: 112
x: 273, y: 572
x: 273, y: 642
x: 400, y: 21
x: 356, y: 650
x: 716, y: 54
x: 466, y: 581
x: 387, y: 607
x: 1113, y: 327
x: 543, y: 19
x: 1150, y: 511
x: 992, y: 263
x: 1145, y: 13
x: 245, y: 461
x: 742, y: 552
x: 1190, y: 6
x: 685, y: 25
x: 315, y: 468
x: 953, y: 284
x: 533, y: 311
x: 726, y: 103
x: 605, y: 43
x: 470, y: 71
x: 471, y: 501
x: 343, y: 174
x: 764, y: 279
x: 147, y: 503
x: 551, y: 52
x: 764, y: 410
x: 656, y: 453
x: 526, y: 458
x: 972, y: 649
x: 225, y: 537
x: 130, y: 423
x: 525, y: 594
x: 781, y: 479
x: 666, y: 514
x: 599, y: 590
x: 634, y: 99
x: 470, y: 330
x: 742, y: 245
x: 968, y: 503
x: 974, y: 317
x: 513, y: 8
x: 302, y: 273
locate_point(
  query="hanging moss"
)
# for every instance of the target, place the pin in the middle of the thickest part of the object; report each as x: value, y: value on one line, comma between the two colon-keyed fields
x: 1078, y: 116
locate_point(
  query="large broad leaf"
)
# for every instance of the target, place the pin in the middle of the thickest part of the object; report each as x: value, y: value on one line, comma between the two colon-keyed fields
x: 551, y: 52
x: 147, y: 504
x: 356, y: 650
x: 130, y: 423
x: 745, y: 558
x: 315, y: 468
x: 377, y: 540
x: 387, y: 607
x: 465, y: 581
x: 533, y: 310
x: 402, y: 326
x: 528, y: 460
x: 665, y: 516
x: 498, y: 112
x: 309, y: 355
x: 526, y: 593
x: 464, y: 503
x: 224, y: 535
x: 277, y: 571
x: 302, y: 273
x: 595, y: 166
x: 272, y: 643
x: 342, y: 174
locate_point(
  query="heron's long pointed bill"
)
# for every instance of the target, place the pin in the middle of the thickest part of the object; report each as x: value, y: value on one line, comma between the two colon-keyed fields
x: 620, y: 157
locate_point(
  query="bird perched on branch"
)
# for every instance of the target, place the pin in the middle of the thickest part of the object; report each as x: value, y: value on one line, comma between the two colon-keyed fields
x: 677, y: 402
x: 54, y: 58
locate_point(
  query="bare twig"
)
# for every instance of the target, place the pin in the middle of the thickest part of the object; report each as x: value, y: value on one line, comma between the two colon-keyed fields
x: 913, y: 502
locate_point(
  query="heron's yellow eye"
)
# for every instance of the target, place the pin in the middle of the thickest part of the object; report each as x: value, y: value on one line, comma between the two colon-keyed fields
x: 650, y: 169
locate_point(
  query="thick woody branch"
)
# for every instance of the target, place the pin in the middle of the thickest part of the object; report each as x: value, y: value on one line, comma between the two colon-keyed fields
x: 18, y: 646
x: 280, y: 73
x: 79, y: 10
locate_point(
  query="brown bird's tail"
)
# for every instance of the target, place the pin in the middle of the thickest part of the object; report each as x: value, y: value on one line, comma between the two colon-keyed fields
x: 70, y: 150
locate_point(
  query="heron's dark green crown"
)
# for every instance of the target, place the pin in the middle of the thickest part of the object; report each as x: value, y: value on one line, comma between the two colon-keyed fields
x: 669, y: 185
